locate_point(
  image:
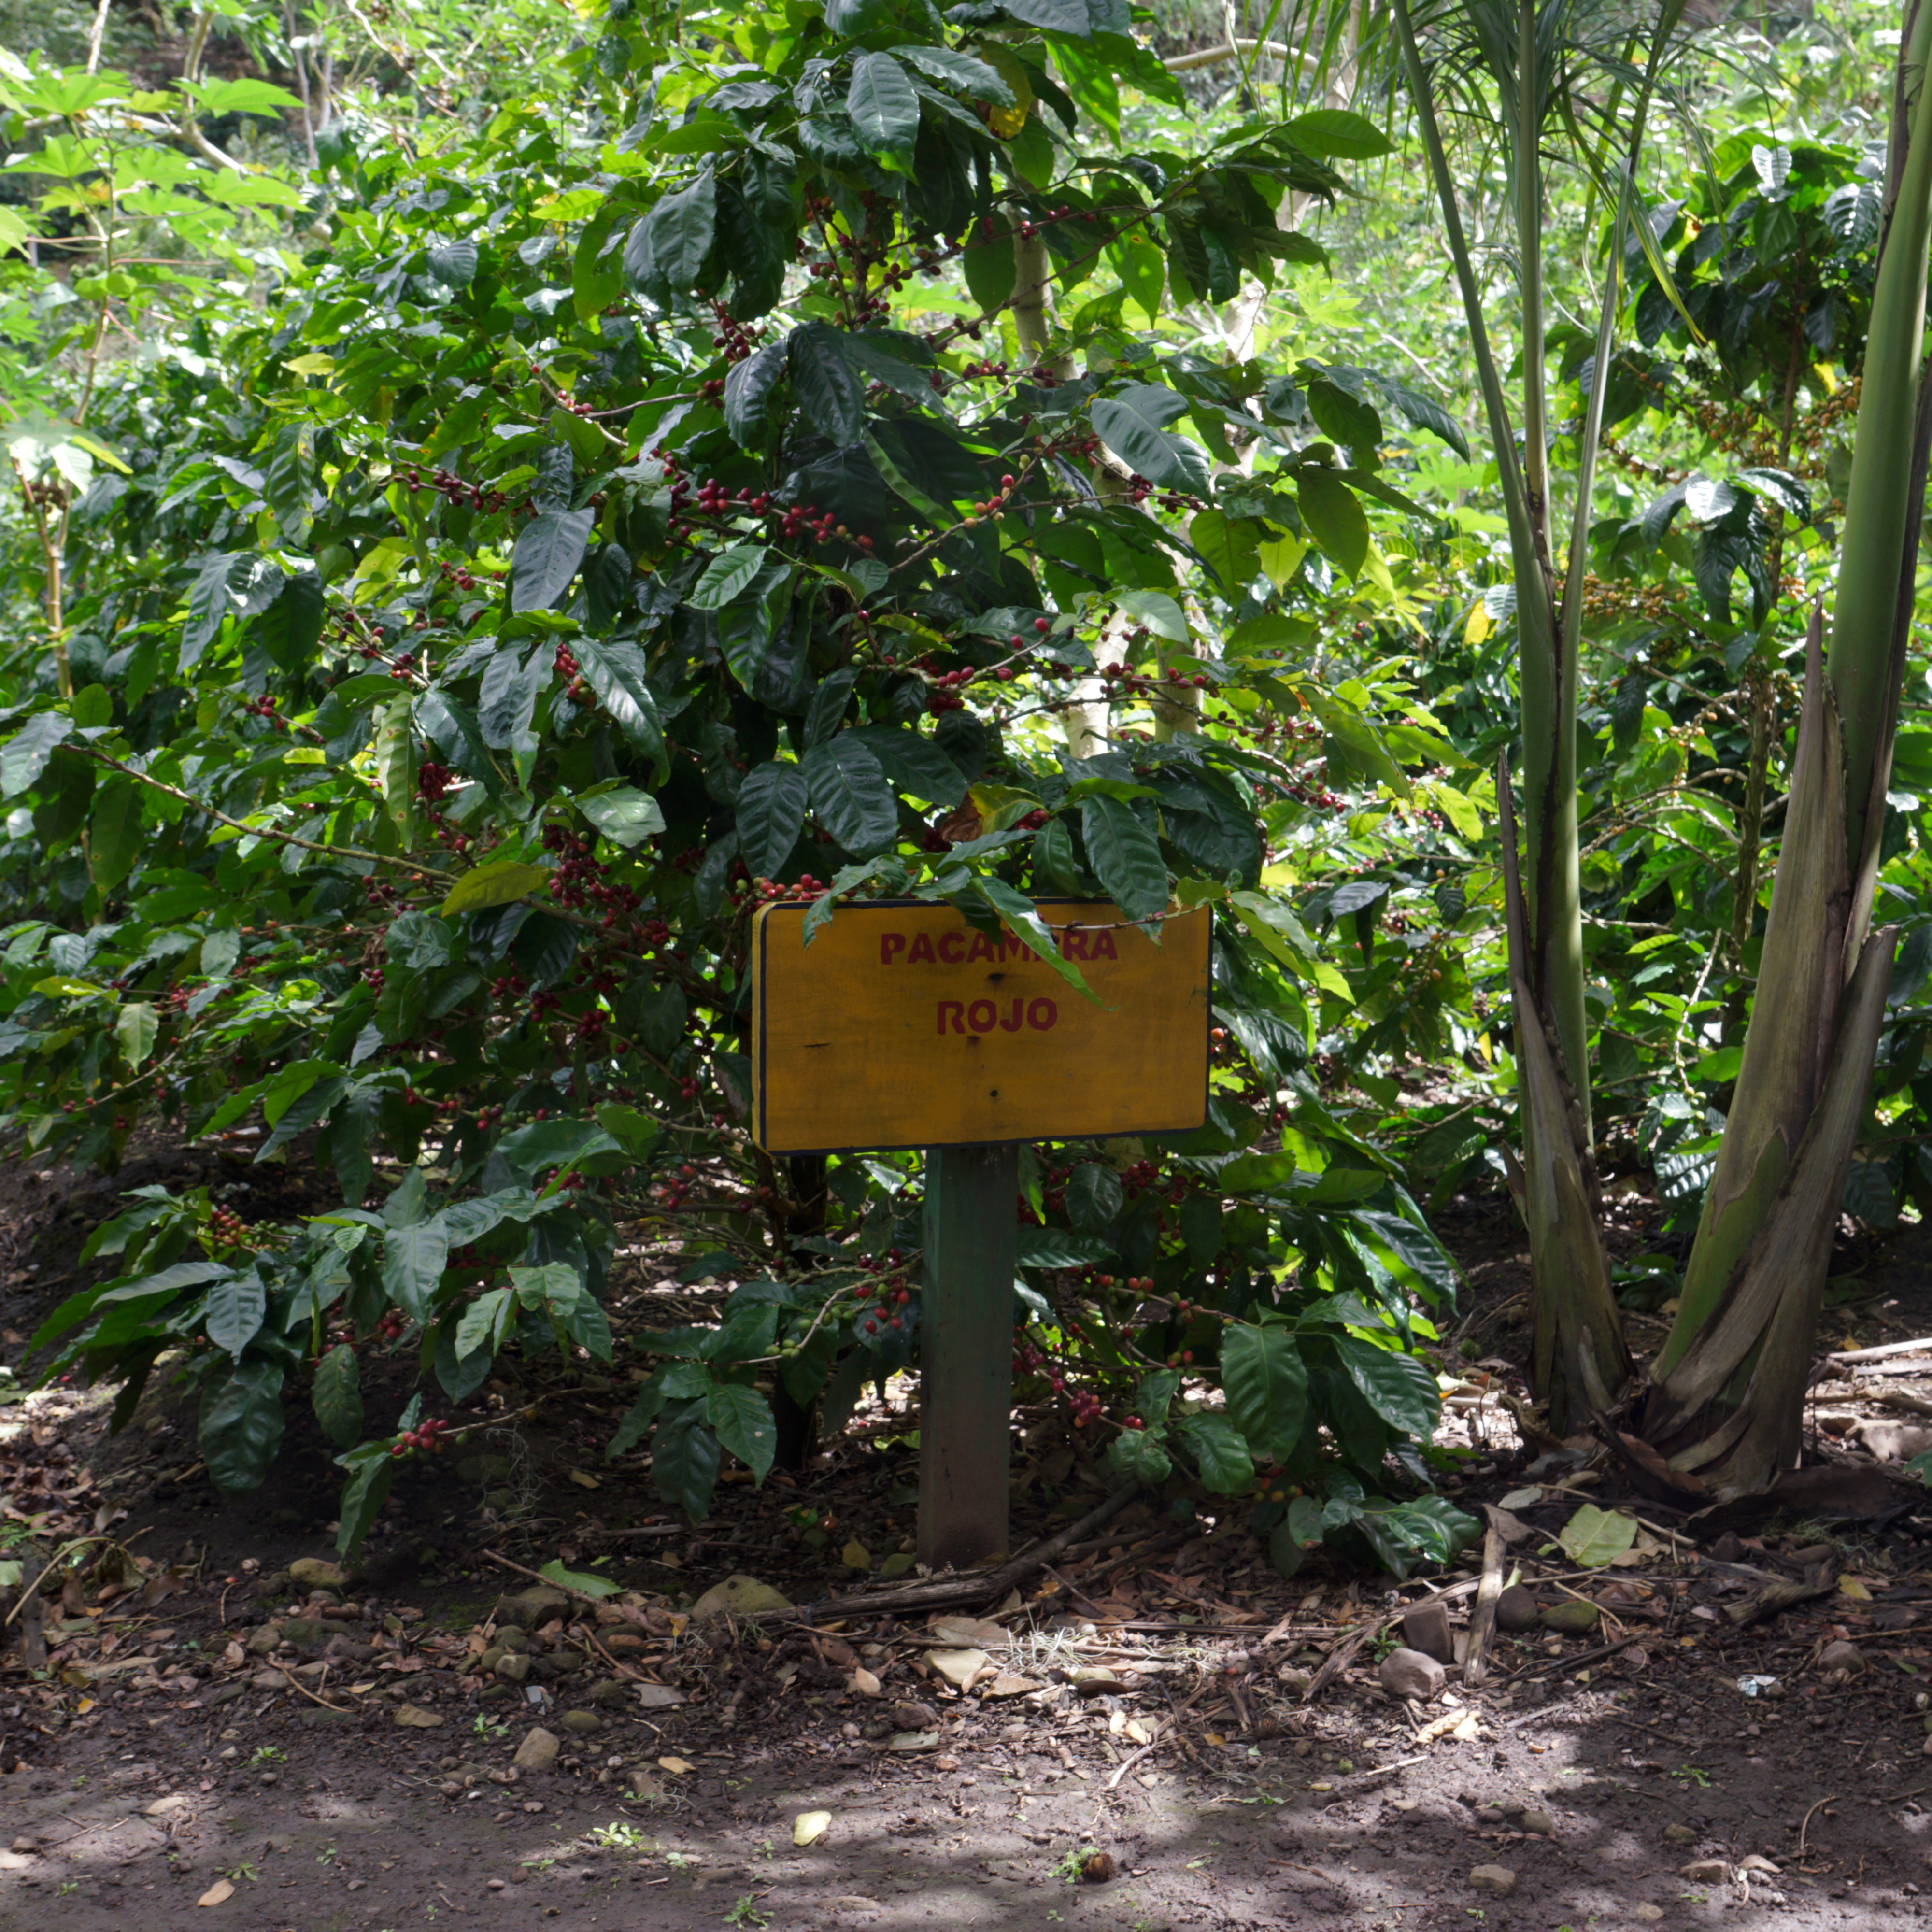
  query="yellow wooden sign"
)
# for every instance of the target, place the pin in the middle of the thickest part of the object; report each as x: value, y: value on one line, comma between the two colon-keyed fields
x: 901, y: 1026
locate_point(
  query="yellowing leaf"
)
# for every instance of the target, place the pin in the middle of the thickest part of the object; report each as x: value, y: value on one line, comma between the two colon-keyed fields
x: 1596, y: 1538
x: 313, y: 364
x: 1281, y: 558
x: 856, y: 1556
x: 808, y: 1827
x: 493, y: 885
x: 584, y: 1481
x: 1851, y: 1587
x: 219, y: 1893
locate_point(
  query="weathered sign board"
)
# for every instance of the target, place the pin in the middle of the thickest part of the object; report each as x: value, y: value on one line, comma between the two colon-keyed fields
x: 901, y: 1026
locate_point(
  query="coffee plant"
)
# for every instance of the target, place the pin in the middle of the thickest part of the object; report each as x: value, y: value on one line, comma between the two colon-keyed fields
x: 781, y: 463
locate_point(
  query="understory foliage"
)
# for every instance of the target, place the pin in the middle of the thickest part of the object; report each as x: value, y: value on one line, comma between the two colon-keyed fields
x: 620, y: 509
x: 795, y: 454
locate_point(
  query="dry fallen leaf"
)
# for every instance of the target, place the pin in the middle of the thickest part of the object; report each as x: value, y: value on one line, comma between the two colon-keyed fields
x: 808, y: 1827
x: 584, y: 1480
x: 219, y: 1893
x: 970, y: 1633
x: 1007, y: 1684
x: 863, y: 1680
x: 856, y: 1556
x: 677, y: 1765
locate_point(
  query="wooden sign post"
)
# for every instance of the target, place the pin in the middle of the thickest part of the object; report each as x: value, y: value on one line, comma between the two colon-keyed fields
x: 902, y: 1026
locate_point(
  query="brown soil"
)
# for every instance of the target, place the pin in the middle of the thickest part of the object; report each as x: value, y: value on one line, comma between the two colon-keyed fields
x: 158, y: 1759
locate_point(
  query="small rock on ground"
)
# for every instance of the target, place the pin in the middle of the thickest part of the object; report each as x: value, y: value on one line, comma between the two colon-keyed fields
x: 1409, y: 1673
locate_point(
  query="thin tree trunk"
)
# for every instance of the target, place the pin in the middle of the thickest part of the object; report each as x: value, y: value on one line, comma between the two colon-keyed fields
x: 1727, y: 1399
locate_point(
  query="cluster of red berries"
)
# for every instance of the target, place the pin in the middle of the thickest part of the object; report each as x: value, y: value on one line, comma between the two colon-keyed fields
x: 670, y: 1192
x: 450, y: 485
x: 711, y: 499
x: 429, y: 1434
x: 733, y: 337
x: 227, y: 1227
x: 1028, y: 229
x: 1125, y: 680
x: 390, y: 1327
x: 1316, y: 795
x: 460, y: 576
x: 807, y: 888
x: 1139, y: 489
x: 566, y: 666
x: 1027, y: 1360
x: 433, y: 780
x: 264, y: 707
x: 372, y: 977
x: 579, y: 880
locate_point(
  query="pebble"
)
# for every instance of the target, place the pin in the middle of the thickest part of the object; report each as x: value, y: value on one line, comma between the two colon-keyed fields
x: 1650, y: 1914
x: 1409, y: 1673
x: 584, y: 1723
x: 1705, y: 1871
x: 1517, y: 1609
x: 538, y: 1751
x: 1540, y: 1823
x: 1841, y: 1656
x: 1572, y: 1618
x: 1426, y: 1629
x: 1498, y: 1879
x: 959, y: 1667
x: 1679, y: 1834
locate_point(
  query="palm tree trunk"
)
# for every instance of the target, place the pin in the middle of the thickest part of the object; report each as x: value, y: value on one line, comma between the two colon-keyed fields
x: 1727, y: 1398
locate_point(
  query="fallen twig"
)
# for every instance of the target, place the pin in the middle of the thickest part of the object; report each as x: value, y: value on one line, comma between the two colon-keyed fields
x: 1583, y: 1658
x: 1808, y: 1816
x: 306, y: 1692
x: 971, y: 1588
x: 1483, y: 1617
x: 1922, y: 1345
x: 1781, y: 1595
x: 1126, y: 1764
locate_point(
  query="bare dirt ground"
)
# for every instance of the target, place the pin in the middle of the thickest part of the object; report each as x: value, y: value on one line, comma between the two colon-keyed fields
x: 213, y: 1742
